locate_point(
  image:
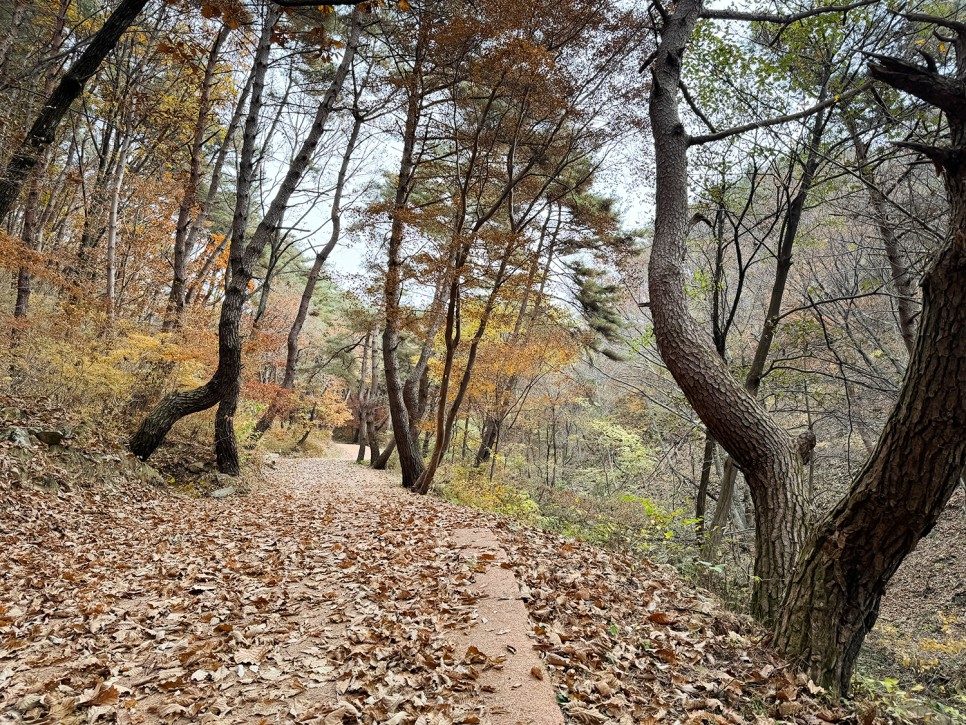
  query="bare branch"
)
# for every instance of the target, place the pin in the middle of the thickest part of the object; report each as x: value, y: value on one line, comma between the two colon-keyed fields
x: 647, y: 62
x: 753, y: 16
x: 314, y: 3
x: 694, y: 107
x: 942, y: 158
x: 736, y: 130
x: 956, y: 25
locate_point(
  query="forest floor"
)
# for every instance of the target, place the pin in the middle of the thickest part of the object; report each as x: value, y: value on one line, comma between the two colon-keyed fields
x: 328, y: 594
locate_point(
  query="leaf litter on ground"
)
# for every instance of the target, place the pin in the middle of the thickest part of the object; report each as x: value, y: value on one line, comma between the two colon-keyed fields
x: 329, y: 595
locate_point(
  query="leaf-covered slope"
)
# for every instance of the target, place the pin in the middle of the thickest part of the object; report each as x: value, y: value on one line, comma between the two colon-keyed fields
x: 330, y: 595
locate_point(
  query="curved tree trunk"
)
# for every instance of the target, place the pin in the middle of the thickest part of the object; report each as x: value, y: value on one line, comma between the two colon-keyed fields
x: 169, y: 411
x: 224, y: 382
x: 764, y: 451
x: 382, y: 460
x: 833, y: 599
x: 243, y: 257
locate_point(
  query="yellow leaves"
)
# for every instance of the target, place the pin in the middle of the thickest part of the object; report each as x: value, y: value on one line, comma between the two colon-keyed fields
x: 403, y: 5
x: 326, y: 9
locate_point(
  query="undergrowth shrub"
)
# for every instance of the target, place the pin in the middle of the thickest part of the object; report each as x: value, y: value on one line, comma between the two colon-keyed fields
x: 472, y: 487
x: 921, y: 662
x: 621, y: 522
x: 106, y: 371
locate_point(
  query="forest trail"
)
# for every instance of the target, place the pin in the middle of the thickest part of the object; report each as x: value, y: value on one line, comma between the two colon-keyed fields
x: 327, y: 594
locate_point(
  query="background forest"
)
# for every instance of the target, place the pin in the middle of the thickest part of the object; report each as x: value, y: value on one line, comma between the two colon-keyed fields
x: 426, y: 227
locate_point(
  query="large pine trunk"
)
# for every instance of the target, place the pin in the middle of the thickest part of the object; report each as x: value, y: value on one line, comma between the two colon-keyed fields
x: 833, y: 599
x: 768, y: 456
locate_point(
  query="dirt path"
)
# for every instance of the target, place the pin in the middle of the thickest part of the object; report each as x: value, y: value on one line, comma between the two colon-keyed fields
x: 328, y: 595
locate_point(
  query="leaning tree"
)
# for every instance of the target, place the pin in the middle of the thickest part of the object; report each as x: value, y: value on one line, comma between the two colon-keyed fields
x: 819, y: 586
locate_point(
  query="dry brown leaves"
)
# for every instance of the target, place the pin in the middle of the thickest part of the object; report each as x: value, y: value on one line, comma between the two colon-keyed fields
x: 320, y: 598
x: 331, y: 596
x: 628, y: 642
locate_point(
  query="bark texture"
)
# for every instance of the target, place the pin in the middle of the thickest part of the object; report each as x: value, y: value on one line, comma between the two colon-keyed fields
x: 764, y: 451
x: 833, y: 600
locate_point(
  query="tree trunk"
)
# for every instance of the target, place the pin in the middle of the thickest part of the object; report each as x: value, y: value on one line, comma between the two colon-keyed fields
x: 34, y: 222
x: 446, y: 415
x: 29, y: 235
x: 371, y: 430
x: 701, y: 501
x: 410, y: 460
x: 765, y: 452
x: 213, y: 185
x: 17, y: 14
x: 504, y: 389
x: 491, y: 425
x: 155, y: 427
x: 176, y: 297
x: 44, y: 128
x: 833, y: 599
x: 112, y: 224
x: 379, y: 463
x: 243, y: 257
x: 292, y: 344
x: 242, y: 260
x: 361, y: 433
